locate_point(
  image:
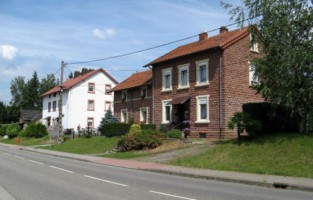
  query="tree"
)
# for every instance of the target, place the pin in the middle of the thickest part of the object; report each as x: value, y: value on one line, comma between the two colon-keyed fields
x: 47, y: 83
x: 70, y: 75
x: 17, y: 91
x: 3, y: 113
x: 285, y: 69
x: 107, y: 119
x: 31, y: 95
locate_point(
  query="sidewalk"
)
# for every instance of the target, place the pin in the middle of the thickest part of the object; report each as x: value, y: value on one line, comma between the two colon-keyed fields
x: 283, y: 182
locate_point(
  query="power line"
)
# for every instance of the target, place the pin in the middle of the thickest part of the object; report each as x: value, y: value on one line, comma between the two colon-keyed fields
x: 147, y: 49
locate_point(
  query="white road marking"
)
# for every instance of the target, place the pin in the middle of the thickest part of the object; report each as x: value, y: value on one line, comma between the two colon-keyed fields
x: 36, y: 162
x: 19, y: 157
x: 7, y: 154
x: 65, y: 170
x: 105, y: 181
x: 170, y: 195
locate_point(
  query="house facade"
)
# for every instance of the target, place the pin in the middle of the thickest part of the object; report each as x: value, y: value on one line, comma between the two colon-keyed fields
x: 133, y: 98
x: 204, y: 83
x: 85, y: 100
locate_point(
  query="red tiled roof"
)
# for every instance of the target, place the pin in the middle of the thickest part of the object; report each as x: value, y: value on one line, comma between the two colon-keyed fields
x: 135, y: 80
x: 73, y: 81
x: 222, y: 40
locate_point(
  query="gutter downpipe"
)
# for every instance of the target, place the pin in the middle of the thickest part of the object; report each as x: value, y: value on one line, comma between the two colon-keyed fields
x: 220, y: 94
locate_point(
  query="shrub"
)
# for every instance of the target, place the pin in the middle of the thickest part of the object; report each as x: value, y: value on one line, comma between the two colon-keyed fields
x: 147, y: 127
x: 135, y: 129
x: 3, y: 129
x: 116, y: 129
x: 12, y: 130
x: 174, y: 133
x: 35, y: 130
x: 87, y: 132
x: 107, y: 119
x: 139, y: 141
x: 164, y: 128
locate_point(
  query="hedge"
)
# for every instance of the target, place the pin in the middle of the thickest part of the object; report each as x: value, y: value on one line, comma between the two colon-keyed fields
x: 115, y: 129
x: 145, y: 127
x: 274, y: 118
x: 3, y: 128
x: 35, y: 130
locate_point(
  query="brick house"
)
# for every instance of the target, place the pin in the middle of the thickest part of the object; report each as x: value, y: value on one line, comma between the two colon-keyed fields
x: 205, y: 82
x: 133, y: 98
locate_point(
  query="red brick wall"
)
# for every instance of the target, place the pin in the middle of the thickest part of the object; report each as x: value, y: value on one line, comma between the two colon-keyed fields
x: 133, y: 103
x: 235, y: 87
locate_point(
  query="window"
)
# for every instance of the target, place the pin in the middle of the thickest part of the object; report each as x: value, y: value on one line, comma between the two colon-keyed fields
x: 107, y: 89
x: 124, y: 95
x: 49, y: 107
x: 108, y: 106
x: 91, y: 88
x: 144, y: 92
x: 54, y: 106
x: 202, y: 72
x: 91, y: 105
x: 254, y: 45
x: 144, y: 115
x: 166, y: 111
x: 49, y: 96
x: 90, y: 122
x: 183, y: 76
x: 54, y: 94
x: 203, y: 109
x: 167, y: 79
x: 253, y: 79
x: 124, y: 116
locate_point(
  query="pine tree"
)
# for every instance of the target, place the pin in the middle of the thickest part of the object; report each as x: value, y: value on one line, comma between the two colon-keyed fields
x: 107, y: 119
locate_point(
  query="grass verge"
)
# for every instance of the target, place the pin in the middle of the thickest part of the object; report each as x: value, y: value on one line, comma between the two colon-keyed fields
x: 125, y: 155
x: 281, y: 154
x: 93, y: 145
x: 24, y: 141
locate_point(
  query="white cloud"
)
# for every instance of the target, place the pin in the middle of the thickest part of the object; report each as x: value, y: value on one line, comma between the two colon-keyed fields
x: 8, y: 52
x: 104, y: 34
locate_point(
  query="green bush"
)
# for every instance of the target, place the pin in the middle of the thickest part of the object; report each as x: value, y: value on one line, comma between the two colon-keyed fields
x: 174, y: 133
x: 164, y: 128
x: 12, y: 130
x: 135, y: 129
x: 139, y: 141
x: 107, y: 119
x: 147, y: 127
x: 3, y: 129
x: 116, y: 129
x: 87, y: 132
x: 35, y: 130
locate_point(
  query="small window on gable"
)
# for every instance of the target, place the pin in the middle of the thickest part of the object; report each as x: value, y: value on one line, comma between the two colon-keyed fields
x: 254, y: 45
x: 202, y: 72
x: 253, y: 79
x: 183, y: 76
x: 167, y: 79
x: 144, y: 92
x: 124, y: 116
x: 203, y: 109
x: 107, y: 89
x: 124, y: 95
x: 91, y: 87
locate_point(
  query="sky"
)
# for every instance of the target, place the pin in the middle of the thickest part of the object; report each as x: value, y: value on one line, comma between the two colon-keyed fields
x: 36, y: 35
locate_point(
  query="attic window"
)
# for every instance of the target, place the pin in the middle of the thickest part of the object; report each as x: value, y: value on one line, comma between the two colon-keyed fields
x: 91, y: 87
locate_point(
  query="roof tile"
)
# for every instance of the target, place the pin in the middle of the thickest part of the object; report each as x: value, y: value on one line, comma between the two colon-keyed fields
x: 135, y: 80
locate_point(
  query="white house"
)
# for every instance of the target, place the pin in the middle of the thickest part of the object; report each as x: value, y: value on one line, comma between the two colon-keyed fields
x: 85, y: 100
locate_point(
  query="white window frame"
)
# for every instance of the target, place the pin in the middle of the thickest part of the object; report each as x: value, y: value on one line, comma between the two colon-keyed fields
x: 164, y: 103
x: 254, y: 45
x: 165, y: 72
x: 144, y: 90
x: 180, y: 69
x: 199, y: 120
x: 141, y: 116
x: 124, y: 93
x: 122, y: 116
x: 198, y: 64
x: 253, y: 80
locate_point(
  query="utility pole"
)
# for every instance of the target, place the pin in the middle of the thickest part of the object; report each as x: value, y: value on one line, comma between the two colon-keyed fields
x: 60, y: 104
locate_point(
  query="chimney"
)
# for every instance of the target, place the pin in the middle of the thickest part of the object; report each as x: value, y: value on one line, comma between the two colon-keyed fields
x: 223, y: 29
x: 203, y: 36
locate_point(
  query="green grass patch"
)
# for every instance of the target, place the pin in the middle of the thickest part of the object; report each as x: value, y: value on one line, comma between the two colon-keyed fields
x: 24, y: 141
x: 93, y: 145
x: 125, y: 155
x: 281, y: 154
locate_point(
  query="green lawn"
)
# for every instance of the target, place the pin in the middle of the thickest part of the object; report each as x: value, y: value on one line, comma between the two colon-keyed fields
x: 125, y: 155
x: 282, y: 154
x: 93, y: 145
x: 26, y: 141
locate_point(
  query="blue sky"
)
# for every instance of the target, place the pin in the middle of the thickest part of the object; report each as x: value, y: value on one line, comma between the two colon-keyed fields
x: 36, y: 35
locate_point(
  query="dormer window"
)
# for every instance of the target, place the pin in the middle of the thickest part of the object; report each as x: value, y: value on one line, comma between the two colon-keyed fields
x: 124, y: 95
x: 91, y: 88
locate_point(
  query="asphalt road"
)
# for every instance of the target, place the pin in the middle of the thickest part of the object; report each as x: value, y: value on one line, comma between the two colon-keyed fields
x: 34, y: 176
